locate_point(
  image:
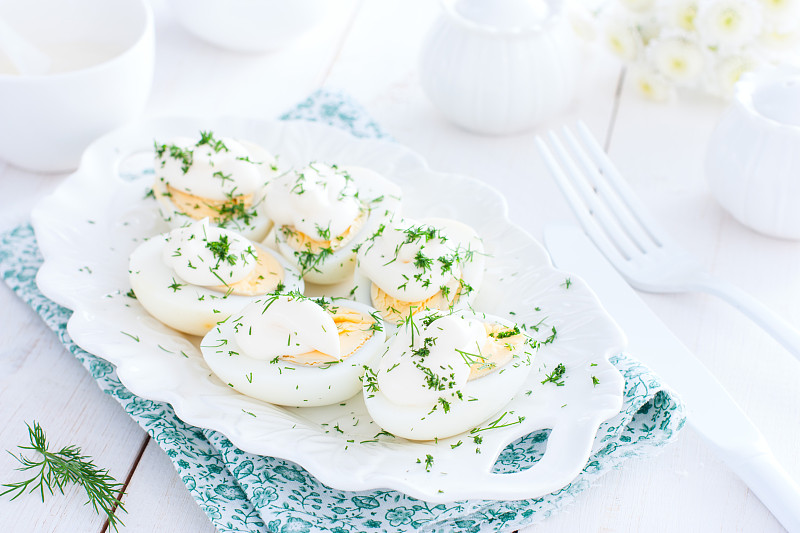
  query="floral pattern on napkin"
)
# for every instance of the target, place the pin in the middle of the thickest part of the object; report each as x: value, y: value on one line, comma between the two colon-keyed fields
x: 241, y: 492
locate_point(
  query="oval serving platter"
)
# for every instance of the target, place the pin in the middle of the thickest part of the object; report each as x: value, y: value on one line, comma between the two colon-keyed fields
x: 89, y: 225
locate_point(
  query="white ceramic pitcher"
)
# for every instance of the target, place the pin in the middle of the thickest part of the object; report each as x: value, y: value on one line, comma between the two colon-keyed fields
x: 500, y: 66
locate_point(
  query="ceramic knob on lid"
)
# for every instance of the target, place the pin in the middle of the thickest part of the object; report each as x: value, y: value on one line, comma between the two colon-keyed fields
x: 500, y: 66
x: 753, y: 156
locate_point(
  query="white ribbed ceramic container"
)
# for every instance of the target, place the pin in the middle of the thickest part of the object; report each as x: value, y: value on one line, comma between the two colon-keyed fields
x: 249, y: 25
x: 753, y: 157
x: 500, y: 66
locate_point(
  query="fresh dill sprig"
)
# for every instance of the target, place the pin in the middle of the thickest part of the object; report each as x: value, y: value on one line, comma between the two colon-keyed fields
x: 54, y: 470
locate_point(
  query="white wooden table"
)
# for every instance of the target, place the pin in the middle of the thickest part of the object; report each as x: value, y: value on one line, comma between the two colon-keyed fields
x: 369, y: 49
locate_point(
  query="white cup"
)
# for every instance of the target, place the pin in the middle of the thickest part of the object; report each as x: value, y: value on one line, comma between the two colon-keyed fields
x: 102, y: 59
x: 753, y: 157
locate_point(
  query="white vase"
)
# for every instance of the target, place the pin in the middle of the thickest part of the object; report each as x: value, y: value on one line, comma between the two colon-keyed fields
x: 753, y: 157
x: 500, y: 66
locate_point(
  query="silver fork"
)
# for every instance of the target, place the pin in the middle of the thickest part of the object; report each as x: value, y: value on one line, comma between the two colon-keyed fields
x: 618, y: 223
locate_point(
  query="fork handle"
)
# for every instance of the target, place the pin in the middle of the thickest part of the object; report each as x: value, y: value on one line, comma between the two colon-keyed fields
x: 771, y: 322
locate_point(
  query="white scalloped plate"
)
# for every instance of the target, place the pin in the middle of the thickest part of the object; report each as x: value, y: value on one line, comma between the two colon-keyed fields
x: 87, y: 228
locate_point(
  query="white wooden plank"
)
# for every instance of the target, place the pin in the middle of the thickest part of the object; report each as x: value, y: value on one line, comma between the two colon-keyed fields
x: 645, y: 493
x: 20, y: 192
x: 41, y: 381
x: 157, y: 499
x: 194, y: 78
x: 660, y: 149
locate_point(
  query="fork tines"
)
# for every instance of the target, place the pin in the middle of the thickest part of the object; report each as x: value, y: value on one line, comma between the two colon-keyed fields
x: 603, y: 202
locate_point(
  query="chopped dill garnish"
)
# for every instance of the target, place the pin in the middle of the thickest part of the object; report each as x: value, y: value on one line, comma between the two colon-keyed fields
x: 207, y: 138
x: 370, y: 380
x: 556, y: 375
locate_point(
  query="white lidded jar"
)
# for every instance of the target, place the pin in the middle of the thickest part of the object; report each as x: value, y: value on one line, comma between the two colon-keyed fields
x: 753, y: 156
x: 500, y: 66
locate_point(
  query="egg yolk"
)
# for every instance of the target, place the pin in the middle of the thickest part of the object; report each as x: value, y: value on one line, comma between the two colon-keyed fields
x: 395, y: 310
x: 501, y: 344
x: 301, y: 242
x: 198, y: 207
x: 354, y: 329
x: 264, y: 278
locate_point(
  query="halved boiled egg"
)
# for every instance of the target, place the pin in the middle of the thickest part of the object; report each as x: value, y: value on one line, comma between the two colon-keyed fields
x: 221, y: 179
x: 323, y: 212
x: 443, y: 374
x: 290, y: 350
x: 407, y: 266
x: 194, y: 277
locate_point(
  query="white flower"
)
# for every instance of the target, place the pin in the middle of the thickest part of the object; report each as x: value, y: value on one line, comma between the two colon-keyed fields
x: 703, y: 44
x: 781, y: 47
x: 729, y: 70
x: 638, y: 6
x: 677, y: 57
x: 729, y: 23
x: 781, y: 15
x: 582, y: 21
x: 780, y: 40
x: 681, y: 14
x: 622, y: 38
x: 651, y: 84
x: 649, y: 27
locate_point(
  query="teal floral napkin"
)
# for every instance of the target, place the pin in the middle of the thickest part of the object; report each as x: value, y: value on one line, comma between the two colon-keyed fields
x: 241, y: 492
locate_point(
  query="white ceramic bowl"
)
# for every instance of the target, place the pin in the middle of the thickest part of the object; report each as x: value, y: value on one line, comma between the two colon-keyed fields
x: 248, y: 25
x: 753, y: 157
x: 102, y: 55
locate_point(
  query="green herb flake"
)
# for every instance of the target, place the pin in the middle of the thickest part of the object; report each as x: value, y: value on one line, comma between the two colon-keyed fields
x: 556, y: 375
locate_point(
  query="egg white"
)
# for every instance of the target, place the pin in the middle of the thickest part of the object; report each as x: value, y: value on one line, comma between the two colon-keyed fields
x: 190, y: 308
x: 380, y: 197
x: 472, y: 272
x: 482, y: 399
x: 283, y: 382
x: 259, y: 225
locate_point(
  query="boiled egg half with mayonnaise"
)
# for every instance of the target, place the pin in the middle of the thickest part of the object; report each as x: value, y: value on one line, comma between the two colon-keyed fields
x: 290, y: 350
x: 406, y: 266
x: 221, y: 179
x: 322, y: 212
x: 193, y: 277
x: 443, y: 374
